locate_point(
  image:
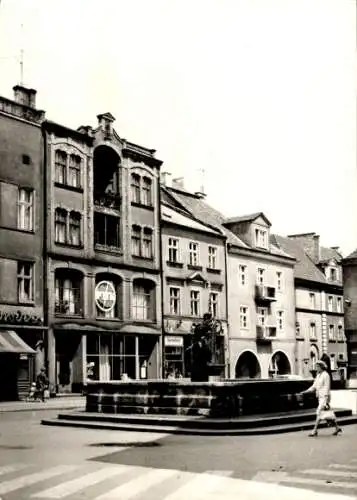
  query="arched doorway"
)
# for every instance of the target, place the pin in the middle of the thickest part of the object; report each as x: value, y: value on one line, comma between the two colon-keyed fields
x: 279, y: 364
x: 247, y: 366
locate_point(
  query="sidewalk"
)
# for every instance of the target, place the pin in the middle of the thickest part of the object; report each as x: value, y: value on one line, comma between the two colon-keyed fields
x: 70, y: 402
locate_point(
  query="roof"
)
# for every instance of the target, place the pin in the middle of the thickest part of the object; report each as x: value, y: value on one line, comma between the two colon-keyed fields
x: 352, y: 255
x: 247, y: 218
x: 204, y: 212
x: 169, y: 214
x: 304, y: 266
x: 327, y: 254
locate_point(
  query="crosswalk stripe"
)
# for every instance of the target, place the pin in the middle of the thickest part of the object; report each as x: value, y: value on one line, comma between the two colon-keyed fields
x: 75, y: 485
x: 319, y: 482
x: 28, y: 480
x: 139, y: 485
x: 330, y: 473
x: 6, y: 469
x: 199, y: 487
x: 343, y: 466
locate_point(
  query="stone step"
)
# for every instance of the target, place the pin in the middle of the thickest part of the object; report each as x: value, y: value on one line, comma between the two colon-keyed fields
x: 172, y: 429
x: 184, y: 418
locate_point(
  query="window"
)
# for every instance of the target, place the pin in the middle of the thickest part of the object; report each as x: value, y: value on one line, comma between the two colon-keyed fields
x: 331, y: 332
x: 333, y: 274
x: 26, y: 160
x: 312, y: 301
x: 330, y: 303
x: 141, y: 241
x: 146, y: 192
x: 106, y: 230
x: 243, y: 275
x: 147, y: 243
x: 135, y: 188
x: 279, y: 281
x: 262, y: 314
x: 195, y: 302
x: 74, y: 171
x: 333, y: 361
x: 339, y: 304
x: 261, y: 276
x: 68, y: 295
x: 340, y: 334
x: 25, y: 282
x: 244, y: 317
x: 141, y: 302
x: 312, y: 330
x: 212, y: 257
x: 60, y: 167
x: 75, y: 229
x: 25, y: 209
x: 173, y: 250
x: 193, y: 248
x: 213, y: 304
x: 60, y: 225
x: 135, y: 240
x: 261, y: 238
x: 280, y: 320
x: 175, y: 301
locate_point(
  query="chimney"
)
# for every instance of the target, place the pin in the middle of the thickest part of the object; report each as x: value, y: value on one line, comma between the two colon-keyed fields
x: 164, y: 178
x: 178, y: 183
x: 310, y: 243
x: 85, y: 129
x: 25, y: 96
x: 105, y: 122
x: 317, y: 255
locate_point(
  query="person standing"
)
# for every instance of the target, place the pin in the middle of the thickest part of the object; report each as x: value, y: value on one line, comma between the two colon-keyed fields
x: 322, y: 388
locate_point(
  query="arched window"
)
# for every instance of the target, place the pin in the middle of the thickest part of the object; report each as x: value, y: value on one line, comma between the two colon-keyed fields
x: 143, y: 305
x: 74, y: 171
x: 108, y: 296
x: 146, y: 192
x: 68, y: 296
x: 135, y: 188
x: 60, y: 167
x: 60, y: 225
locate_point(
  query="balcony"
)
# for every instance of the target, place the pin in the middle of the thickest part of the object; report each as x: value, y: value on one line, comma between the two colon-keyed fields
x: 107, y: 200
x: 68, y: 307
x: 265, y: 294
x: 266, y: 333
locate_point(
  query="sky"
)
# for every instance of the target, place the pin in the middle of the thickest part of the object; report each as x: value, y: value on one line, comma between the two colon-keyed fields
x: 260, y: 94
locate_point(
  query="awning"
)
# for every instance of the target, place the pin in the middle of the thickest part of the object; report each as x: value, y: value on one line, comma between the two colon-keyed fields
x: 11, y: 342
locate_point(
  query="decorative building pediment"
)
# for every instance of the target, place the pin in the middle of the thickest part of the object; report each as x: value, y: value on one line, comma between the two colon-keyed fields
x: 197, y: 278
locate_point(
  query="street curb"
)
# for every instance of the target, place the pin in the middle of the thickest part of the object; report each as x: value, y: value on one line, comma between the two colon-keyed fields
x: 42, y: 408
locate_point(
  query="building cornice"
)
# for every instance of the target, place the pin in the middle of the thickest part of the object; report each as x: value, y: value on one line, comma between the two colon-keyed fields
x: 259, y: 254
x: 65, y: 132
x: 317, y: 285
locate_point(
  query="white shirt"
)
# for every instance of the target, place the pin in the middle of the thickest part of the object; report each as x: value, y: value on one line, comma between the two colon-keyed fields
x: 322, y: 384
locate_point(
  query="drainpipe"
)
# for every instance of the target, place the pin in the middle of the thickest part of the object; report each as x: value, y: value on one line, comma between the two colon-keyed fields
x: 44, y: 244
x: 227, y: 315
x: 161, y: 281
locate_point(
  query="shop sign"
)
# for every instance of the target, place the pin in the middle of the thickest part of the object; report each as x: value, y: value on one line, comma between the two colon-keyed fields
x: 19, y: 317
x: 174, y: 341
x: 105, y: 296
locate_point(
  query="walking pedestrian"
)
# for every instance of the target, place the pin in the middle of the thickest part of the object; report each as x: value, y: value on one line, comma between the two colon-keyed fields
x: 41, y: 384
x: 322, y: 388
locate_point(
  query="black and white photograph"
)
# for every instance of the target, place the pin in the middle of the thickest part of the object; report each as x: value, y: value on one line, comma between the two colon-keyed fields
x: 178, y: 249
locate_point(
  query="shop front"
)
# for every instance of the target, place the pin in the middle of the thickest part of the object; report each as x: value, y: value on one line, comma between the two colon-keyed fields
x: 177, y: 356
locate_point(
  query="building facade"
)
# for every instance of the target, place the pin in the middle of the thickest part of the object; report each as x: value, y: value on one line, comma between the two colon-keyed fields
x: 194, y: 283
x: 319, y: 304
x: 350, y: 299
x: 103, y: 256
x: 261, y: 302
x: 22, y: 330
